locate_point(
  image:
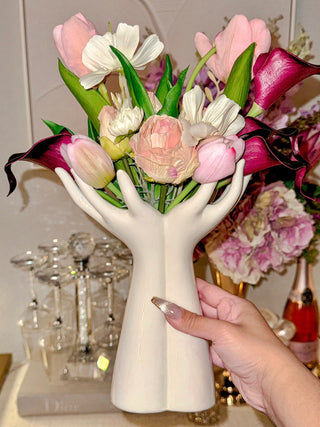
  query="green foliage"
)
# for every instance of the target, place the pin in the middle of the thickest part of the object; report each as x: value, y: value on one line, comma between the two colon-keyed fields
x: 171, y: 102
x: 238, y: 84
x: 165, y: 83
x: 90, y: 100
x: 136, y: 88
x: 55, y: 128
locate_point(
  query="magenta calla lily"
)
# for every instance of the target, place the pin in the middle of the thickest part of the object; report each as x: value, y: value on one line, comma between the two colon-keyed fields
x: 307, y: 147
x: 276, y: 73
x: 260, y: 152
x: 45, y: 152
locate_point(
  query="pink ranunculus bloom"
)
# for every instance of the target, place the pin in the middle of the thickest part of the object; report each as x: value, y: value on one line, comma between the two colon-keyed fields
x: 89, y: 161
x: 160, y: 153
x: 218, y: 156
x: 71, y: 38
x: 231, y: 42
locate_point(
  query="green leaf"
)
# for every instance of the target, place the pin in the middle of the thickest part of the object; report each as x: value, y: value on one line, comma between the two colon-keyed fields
x: 137, y: 90
x: 90, y: 100
x: 238, y: 84
x: 171, y: 102
x: 165, y: 83
x: 55, y: 128
x: 92, y: 133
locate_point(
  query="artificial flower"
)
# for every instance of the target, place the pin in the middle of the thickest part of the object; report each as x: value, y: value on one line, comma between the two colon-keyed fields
x: 70, y: 40
x: 273, y: 233
x: 45, y: 152
x: 160, y: 152
x: 89, y: 161
x: 98, y: 57
x: 221, y: 117
x: 275, y: 74
x: 120, y: 122
x: 231, y: 42
x: 218, y: 157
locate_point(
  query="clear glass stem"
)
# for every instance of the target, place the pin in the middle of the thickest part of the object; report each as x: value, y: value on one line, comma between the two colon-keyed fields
x: 34, y: 299
x: 57, y: 304
x: 110, y: 296
x: 83, y: 306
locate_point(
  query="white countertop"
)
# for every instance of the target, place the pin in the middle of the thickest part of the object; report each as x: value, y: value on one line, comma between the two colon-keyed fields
x: 9, y: 417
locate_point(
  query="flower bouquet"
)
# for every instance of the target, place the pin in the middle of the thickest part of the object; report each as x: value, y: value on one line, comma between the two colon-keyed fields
x: 149, y: 170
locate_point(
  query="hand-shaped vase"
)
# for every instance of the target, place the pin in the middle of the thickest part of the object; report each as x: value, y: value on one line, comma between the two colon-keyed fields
x: 158, y: 368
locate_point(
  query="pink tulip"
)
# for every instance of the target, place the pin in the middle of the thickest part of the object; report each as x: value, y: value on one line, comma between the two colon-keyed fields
x: 276, y: 73
x: 218, y: 156
x: 231, y: 42
x: 160, y: 153
x: 70, y: 39
x: 89, y: 161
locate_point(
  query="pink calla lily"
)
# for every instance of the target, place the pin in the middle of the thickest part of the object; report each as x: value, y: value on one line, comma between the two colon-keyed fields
x: 45, y: 152
x: 276, y: 73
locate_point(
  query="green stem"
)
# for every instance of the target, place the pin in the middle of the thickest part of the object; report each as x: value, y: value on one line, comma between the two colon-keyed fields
x: 127, y: 168
x: 104, y: 93
x: 162, y: 199
x: 187, y: 189
x: 198, y: 67
x: 115, y: 190
x: 110, y: 199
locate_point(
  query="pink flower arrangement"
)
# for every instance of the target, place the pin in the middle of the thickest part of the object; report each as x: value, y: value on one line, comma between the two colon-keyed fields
x: 275, y: 231
x: 171, y: 135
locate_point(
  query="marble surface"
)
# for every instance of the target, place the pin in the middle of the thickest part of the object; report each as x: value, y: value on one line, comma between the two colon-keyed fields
x: 9, y: 417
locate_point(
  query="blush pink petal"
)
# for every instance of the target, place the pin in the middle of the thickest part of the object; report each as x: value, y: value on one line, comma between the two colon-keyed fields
x: 160, y: 153
x: 231, y: 42
x: 70, y: 40
x: 217, y: 157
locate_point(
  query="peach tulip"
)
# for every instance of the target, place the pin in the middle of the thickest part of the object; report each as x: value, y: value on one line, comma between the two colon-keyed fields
x: 218, y: 156
x: 231, y: 42
x: 70, y: 39
x: 160, y: 153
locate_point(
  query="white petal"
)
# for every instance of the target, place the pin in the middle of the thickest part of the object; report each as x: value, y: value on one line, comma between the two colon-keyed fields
x: 202, y: 130
x: 150, y: 50
x: 192, y: 105
x: 97, y: 55
x: 221, y: 113
x: 92, y: 79
x: 236, y: 126
x: 127, y: 39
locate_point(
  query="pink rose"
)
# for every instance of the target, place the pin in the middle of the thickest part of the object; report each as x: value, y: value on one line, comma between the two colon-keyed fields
x: 70, y: 39
x: 160, y: 152
x: 231, y: 42
x: 218, y: 156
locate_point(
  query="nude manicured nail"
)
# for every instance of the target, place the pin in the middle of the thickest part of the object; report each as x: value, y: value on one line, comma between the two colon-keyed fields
x: 168, y: 308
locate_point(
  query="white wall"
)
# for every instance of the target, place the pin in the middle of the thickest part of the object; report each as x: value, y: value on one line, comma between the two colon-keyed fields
x: 39, y: 209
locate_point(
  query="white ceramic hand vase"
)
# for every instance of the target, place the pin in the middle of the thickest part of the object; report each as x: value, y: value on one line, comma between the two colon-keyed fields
x: 158, y: 368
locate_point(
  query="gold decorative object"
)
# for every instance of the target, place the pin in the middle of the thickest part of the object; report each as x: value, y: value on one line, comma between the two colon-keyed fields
x: 227, y: 392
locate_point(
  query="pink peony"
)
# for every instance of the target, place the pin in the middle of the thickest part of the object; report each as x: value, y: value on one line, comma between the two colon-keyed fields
x: 70, y: 39
x: 160, y: 153
x: 218, y: 156
x: 231, y: 42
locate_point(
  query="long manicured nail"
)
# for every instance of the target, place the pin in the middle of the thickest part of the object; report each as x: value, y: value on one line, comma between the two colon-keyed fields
x: 168, y: 308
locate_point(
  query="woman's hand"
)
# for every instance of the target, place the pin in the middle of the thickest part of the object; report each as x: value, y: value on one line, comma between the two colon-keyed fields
x: 261, y: 366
